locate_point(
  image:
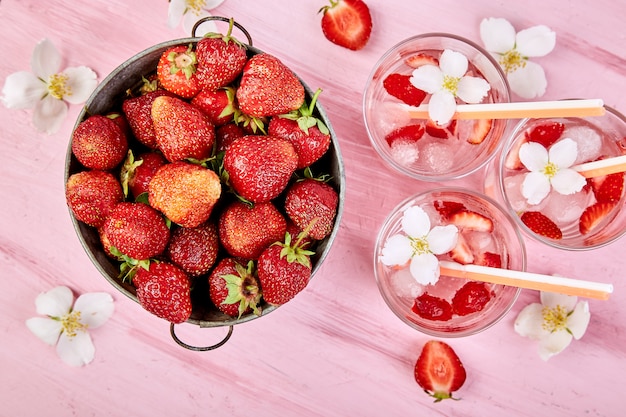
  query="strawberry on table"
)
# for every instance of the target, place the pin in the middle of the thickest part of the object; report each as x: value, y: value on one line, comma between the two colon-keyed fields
x: 218, y: 105
x: 400, y: 87
x: 137, y: 173
x: 176, y: 71
x: 347, y: 23
x: 470, y: 298
x: 194, y: 249
x: 312, y: 205
x: 541, y: 224
x: 99, y: 143
x: 268, y: 87
x: 234, y: 289
x: 138, y: 111
x: 164, y: 291
x: 439, y: 371
x: 182, y: 130
x: 432, y: 308
x: 91, y: 195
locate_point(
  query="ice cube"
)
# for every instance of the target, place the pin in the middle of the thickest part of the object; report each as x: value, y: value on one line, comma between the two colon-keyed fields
x: 390, y: 115
x: 513, y: 190
x: 588, y: 140
x: 405, y: 152
x: 565, y: 209
x: 438, y: 156
x: 480, y: 242
x: 405, y: 285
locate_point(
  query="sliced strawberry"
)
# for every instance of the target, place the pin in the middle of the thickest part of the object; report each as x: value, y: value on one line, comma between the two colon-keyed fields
x: 442, y: 132
x: 541, y: 225
x: 593, y: 216
x: 470, y: 298
x: 432, y: 308
x: 439, y: 371
x: 610, y: 190
x: 512, y: 160
x: 399, y: 86
x: 462, y: 253
x: 470, y: 220
x: 347, y: 23
x: 546, y: 134
x: 448, y: 208
x: 488, y: 259
x: 481, y: 129
x: 409, y: 133
x: 417, y: 60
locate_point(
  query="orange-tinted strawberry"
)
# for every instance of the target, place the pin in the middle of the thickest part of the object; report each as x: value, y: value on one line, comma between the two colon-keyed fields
x: 347, y: 23
x: 542, y: 225
x: 185, y: 193
x: 439, y: 371
x: 218, y: 105
x: 137, y: 173
x: 136, y: 230
x: 246, y: 230
x: 194, y: 249
x: 546, y: 133
x: 470, y: 298
x: 99, y: 143
x: 259, y: 167
x: 594, y: 215
x: 420, y: 59
x: 91, y: 195
x: 182, y: 130
x: 268, y: 87
x: 234, y: 289
x: 138, y: 111
x: 176, y: 71
x: 164, y: 291
x: 480, y: 130
x: 432, y: 308
x: 312, y: 206
x: 400, y: 87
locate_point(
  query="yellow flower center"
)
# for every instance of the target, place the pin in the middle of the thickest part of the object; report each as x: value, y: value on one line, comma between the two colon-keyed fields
x: 554, y: 319
x: 512, y: 61
x: 550, y: 169
x: 195, y: 6
x: 58, y: 87
x: 419, y: 245
x: 451, y: 84
x: 71, y: 324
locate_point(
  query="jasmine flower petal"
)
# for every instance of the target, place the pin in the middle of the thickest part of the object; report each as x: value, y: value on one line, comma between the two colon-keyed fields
x: 415, y: 222
x: 45, y: 329
x: 553, y: 344
x: 425, y: 268
x: 441, y: 107
x: 528, y: 81
x: 579, y: 320
x: 497, y: 34
x: 54, y: 303
x: 535, y: 41
x: 190, y: 19
x: 397, y: 251
x: 442, y: 239
x: 81, y: 82
x: 175, y: 12
x: 428, y: 78
x: 563, y: 153
x: 552, y: 300
x: 77, y: 350
x: 535, y: 187
x: 453, y: 63
x: 49, y: 115
x: 529, y: 322
x: 533, y: 155
x: 211, y: 4
x: 95, y: 308
x: 22, y: 90
x: 45, y: 60
x: 567, y: 181
x: 472, y: 89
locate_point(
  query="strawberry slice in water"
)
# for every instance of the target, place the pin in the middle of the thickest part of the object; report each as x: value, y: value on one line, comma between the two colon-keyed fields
x: 399, y: 86
x: 546, y: 134
x: 481, y: 129
x: 448, y: 208
x: 419, y: 59
x: 490, y: 259
x: 470, y: 220
x: 432, y: 308
x: 541, y: 224
x: 470, y: 298
x: 441, y: 132
x: 610, y: 188
x: 594, y: 215
x: 462, y: 253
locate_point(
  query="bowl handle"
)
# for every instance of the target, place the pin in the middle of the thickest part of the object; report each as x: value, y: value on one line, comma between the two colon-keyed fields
x: 223, y: 19
x: 203, y: 348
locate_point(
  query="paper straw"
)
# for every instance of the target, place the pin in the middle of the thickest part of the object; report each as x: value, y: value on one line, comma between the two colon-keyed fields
x: 520, y: 110
x: 602, y: 167
x: 527, y: 280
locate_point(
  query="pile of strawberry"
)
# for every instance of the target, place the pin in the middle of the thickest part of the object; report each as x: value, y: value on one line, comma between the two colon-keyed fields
x: 200, y: 184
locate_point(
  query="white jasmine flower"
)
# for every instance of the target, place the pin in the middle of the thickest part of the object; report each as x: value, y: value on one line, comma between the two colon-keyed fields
x: 526, y: 78
x: 66, y: 326
x: 446, y: 82
x: 190, y: 11
x: 554, y: 322
x: 46, y: 89
x: 419, y: 244
x: 550, y: 169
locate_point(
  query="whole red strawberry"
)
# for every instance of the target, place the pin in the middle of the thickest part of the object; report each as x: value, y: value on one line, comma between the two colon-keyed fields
x: 91, y: 195
x: 347, y: 23
x: 225, y: 135
x: 176, y: 71
x: 137, y: 173
x: 194, y: 249
x: 268, y: 87
x: 246, y: 230
x: 218, y: 105
x: 185, y: 193
x: 259, y: 167
x: 312, y: 205
x: 284, y: 269
x: 99, y: 143
x: 182, y: 130
x: 439, y: 371
x: 164, y: 291
x: 138, y: 111
x: 221, y: 59
x: 136, y: 230
x: 234, y: 289
x: 308, y: 134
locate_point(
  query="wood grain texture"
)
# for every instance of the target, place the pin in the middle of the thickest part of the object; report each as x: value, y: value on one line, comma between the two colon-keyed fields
x: 335, y: 350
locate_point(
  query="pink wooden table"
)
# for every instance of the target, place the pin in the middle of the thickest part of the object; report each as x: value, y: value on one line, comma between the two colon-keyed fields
x: 336, y: 350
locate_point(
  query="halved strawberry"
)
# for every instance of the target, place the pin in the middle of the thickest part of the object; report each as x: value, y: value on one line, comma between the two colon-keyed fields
x: 419, y: 59
x: 546, y: 134
x: 462, y: 253
x: 439, y: 371
x: 491, y: 259
x: 470, y: 298
x: 512, y: 160
x: 610, y: 189
x: 442, y: 132
x: 542, y: 225
x: 347, y: 23
x: 399, y: 86
x: 481, y: 129
x: 432, y: 308
x: 470, y: 220
x: 409, y: 133
x: 594, y: 215
x: 448, y: 208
